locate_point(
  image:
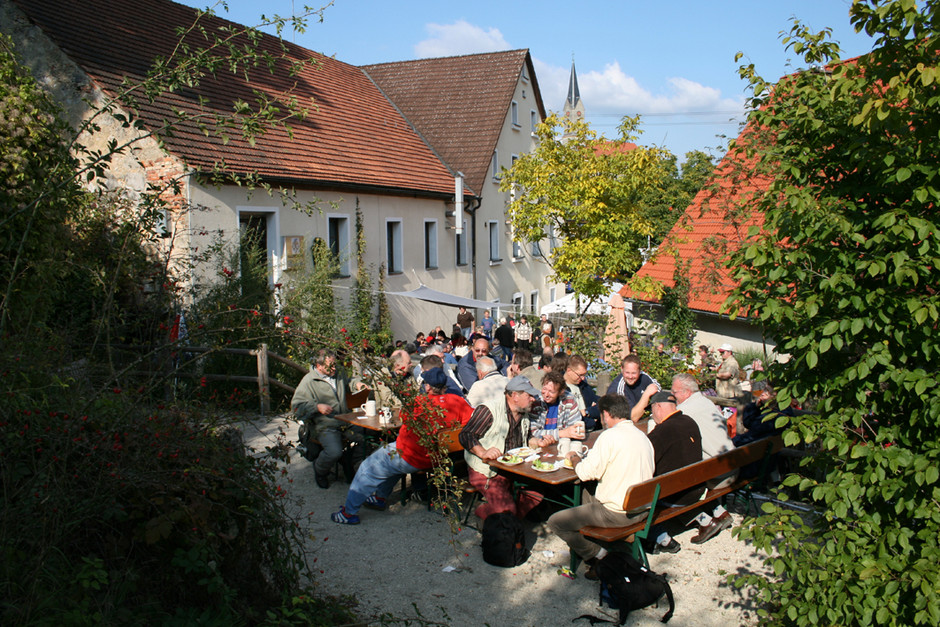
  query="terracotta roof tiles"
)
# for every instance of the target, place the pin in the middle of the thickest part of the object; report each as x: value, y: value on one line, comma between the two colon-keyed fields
x: 459, y: 104
x: 710, y: 227
x: 353, y: 135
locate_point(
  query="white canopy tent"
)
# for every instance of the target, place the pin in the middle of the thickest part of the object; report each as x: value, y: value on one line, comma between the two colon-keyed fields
x: 571, y: 305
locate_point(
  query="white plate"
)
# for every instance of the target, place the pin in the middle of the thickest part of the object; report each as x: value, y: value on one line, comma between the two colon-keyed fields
x: 522, y: 451
x: 502, y: 461
x: 552, y: 469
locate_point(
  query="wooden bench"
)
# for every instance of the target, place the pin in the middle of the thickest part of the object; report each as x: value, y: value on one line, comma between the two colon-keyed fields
x: 647, y: 495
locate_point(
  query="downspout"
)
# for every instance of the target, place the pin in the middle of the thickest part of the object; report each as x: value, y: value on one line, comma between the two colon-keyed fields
x: 474, y: 204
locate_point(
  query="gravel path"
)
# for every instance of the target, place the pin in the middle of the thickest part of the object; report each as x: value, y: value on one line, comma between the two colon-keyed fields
x: 405, y: 561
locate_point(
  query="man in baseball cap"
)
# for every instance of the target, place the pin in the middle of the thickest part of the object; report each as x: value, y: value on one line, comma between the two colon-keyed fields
x: 497, y: 426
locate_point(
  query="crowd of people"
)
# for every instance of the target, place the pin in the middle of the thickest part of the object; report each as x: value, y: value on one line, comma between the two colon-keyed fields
x: 501, y: 399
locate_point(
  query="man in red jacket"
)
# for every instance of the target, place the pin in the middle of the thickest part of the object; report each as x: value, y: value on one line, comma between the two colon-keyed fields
x: 378, y: 474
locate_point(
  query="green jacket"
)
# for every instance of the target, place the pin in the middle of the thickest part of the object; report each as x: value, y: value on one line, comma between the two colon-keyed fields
x: 314, y: 389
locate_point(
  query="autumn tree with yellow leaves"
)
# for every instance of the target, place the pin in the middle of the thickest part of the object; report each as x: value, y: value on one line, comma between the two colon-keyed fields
x: 580, y: 197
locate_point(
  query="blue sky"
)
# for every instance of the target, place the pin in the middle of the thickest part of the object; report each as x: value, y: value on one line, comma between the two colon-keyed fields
x: 672, y: 62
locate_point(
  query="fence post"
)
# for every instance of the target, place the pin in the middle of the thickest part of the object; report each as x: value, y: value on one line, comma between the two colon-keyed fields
x: 263, y: 383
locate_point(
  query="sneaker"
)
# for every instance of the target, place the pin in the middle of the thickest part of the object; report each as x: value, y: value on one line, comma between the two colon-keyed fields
x: 376, y: 502
x: 671, y: 547
x: 343, y: 518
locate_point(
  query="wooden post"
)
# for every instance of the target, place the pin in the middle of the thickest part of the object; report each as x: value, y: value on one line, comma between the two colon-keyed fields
x: 263, y: 383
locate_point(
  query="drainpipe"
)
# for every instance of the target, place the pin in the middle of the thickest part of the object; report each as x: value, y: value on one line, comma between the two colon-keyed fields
x: 472, y: 209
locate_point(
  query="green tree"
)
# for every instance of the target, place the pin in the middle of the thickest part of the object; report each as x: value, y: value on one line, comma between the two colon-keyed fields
x: 665, y: 202
x: 587, y: 191
x: 843, y: 275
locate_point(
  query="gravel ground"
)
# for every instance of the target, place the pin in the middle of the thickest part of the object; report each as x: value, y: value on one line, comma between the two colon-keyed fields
x: 406, y: 562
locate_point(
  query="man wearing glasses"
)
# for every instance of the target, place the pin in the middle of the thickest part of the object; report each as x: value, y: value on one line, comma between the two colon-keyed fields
x: 583, y: 393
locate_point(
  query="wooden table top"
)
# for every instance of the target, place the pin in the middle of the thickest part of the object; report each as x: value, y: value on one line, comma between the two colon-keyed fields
x: 548, y: 454
x: 358, y: 418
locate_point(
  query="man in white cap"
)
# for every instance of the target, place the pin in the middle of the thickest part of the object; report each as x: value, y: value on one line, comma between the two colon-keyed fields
x: 727, y: 379
x: 495, y: 427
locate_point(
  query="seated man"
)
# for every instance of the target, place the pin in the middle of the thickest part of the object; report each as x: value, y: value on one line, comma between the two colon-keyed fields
x: 434, y: 360
x: 558, y: 415
x: 397, y: 376
x: 490, y: 384
x: 494, y: 428
x: 575, y: 373
x: 677, y: 442
x: 715, y: 441
x: 320, y: 395
x: 467, y: 366
x: 378, y: 474
x: 635, y: 385
x: 621, y: 457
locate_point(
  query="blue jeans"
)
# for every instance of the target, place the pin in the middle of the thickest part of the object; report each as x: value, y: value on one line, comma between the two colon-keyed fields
x: 377, y: 475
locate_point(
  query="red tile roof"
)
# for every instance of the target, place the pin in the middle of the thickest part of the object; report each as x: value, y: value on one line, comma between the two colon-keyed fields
x: 713, y: 225
x: 459, y: 104
x: 353, y: 135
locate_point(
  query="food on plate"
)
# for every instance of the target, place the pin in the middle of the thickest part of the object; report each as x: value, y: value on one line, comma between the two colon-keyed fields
x: 511, y: 460
x: 567, y: 463
x: 543, y: 466
x: 524, y: 451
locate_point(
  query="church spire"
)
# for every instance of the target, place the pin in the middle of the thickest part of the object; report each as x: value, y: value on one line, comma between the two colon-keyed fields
x: 574, y: 107
x: 574, y: 94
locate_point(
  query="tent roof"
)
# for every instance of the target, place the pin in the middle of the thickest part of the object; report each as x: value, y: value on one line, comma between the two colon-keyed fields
x: 442, y: 298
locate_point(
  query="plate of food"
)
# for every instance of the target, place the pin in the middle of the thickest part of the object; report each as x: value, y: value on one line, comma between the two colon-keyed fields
x: 523, y: 451
x: 567, y: 464
x: 510, y: 460
x: 541, y: 466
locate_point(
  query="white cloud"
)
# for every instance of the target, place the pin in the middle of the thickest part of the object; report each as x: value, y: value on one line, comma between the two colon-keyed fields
x: 461, y: 37
x: 614, y: 90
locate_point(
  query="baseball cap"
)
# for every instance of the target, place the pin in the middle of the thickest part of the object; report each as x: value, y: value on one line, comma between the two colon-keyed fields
x: 435, y: 377
x: 662, y: 397
x: 520, y: 383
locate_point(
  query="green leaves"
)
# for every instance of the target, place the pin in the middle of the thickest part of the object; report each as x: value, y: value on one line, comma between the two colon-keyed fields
x: 848, y: 257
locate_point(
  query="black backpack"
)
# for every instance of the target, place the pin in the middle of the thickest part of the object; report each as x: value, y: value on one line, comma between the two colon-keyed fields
x: 503, y: 540
x: 627, y: 585
x: 307, y: 446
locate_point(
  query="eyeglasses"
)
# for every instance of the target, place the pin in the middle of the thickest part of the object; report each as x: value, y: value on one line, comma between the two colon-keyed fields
x: 580, y: 375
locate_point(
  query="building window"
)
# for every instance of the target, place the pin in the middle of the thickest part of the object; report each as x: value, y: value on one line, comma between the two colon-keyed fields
x: 393, y: 246
x: 534, y: 301
x: 494, y: 242
x: 516, y: 250
x: 552, y: 240
x: 461, y: 246
x: 533, y: 120
x: 535, y: 249
x: 430, y: 244
x: 494, y: 166
x: 551, y: 294
x: 514, y: 109
x: 517, y: 303
x: 338, y: 241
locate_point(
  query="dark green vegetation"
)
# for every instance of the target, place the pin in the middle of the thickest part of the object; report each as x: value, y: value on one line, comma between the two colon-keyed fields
x: 118, y: 507
x: 845, y: 279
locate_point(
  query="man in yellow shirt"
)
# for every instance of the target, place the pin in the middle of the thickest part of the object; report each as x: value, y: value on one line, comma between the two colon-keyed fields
x: 621, y: 457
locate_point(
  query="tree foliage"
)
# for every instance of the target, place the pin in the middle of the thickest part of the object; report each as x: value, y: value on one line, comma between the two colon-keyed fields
x: 586, y: 191
x: 843, y: 276
x: 665, y: 202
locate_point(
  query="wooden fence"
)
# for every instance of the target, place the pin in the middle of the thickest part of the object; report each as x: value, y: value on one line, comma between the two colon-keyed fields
x: 262, y: 358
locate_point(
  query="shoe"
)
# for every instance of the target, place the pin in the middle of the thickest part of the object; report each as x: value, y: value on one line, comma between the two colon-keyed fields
x: 590, y: 574
x: 671, y: 547
x: 712, y: 529
x: 322, y: 480
x: 342, y: 518
x: 376, y: 502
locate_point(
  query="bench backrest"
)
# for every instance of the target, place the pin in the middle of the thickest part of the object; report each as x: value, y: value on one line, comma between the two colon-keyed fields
x: 641, y: 495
